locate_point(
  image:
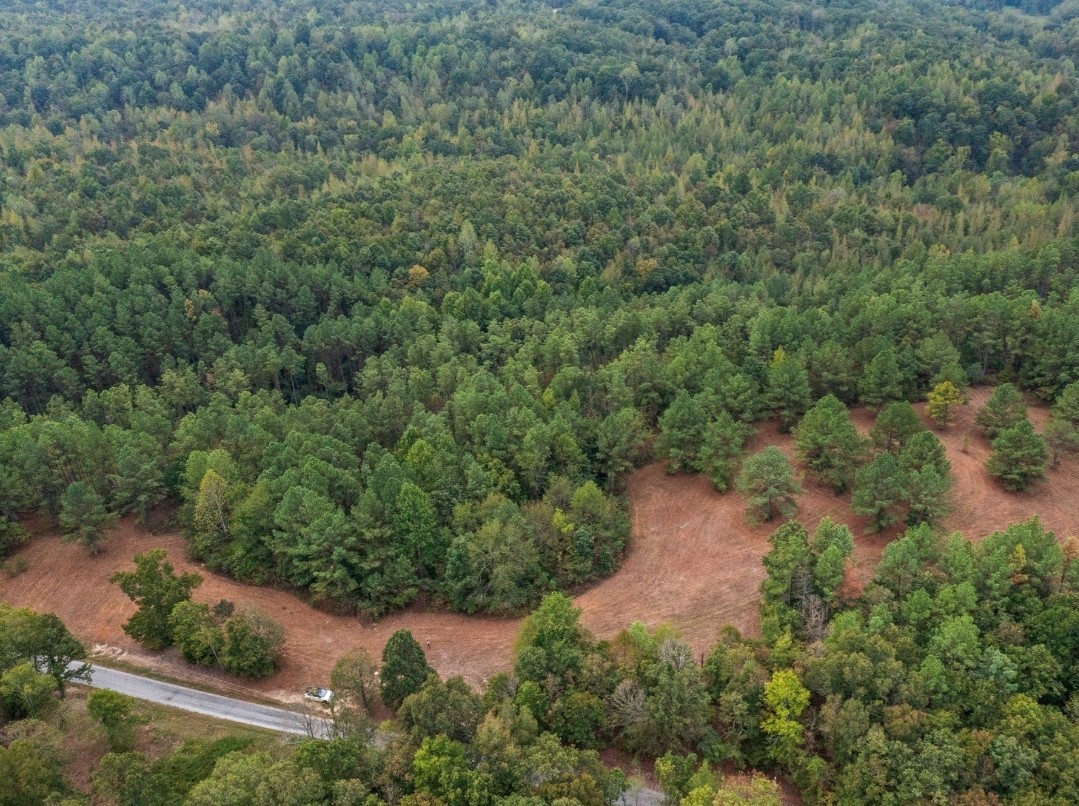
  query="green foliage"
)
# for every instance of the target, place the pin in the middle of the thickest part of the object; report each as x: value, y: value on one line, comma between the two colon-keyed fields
x: 240, y: 778
x: 43, y: 640
x: 252, y: 643
x: 883, y: 380
x: 409, y: 296
x: 404, y: 668
x: 878, y: 488
x: 196, y: 632
x: 25, y: 692
x: 437, y: 708
x: 767, y: 480
x: 116, y: 714
x: 787, y: 394
x: 355, y: 676
x: 721, y: 450
x: 621, y: 443
x: 785, y: 699
x: 30, y: 766
x: 1019, y: 456
x: 682, y: 428
x: 895, y: 424
x: 156, y: 589
x: 828, y: 443
x: 552, y: 643
x: 83, y: 517
x: 1004, y: 409
x: 12, y: 535
x: 942, y: 400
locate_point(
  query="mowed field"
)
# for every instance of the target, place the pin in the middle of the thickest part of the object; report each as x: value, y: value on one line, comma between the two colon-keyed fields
x: 694, y: 562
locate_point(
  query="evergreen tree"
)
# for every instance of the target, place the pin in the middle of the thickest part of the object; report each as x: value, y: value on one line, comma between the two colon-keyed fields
x: 767, y: 480
x: 943, y: 399
x: 926, y: 494
x: 787, y: 395
x: 681, y: 428
x: 721, y: 449
x: 828, y: 443
x: 882, y: 380
x: 924, y: 450
x: 1004, y: 409
x: 621, y: 443
x: 83, y: 516
x: 878, y: 489
x: 1019, y: 456
x: 404, y: 668
x: 896, y: 423
x: 1066, y: 406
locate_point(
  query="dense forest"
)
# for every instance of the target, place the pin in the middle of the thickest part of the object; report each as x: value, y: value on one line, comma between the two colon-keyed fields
x: 385, y: 300
x: 388, y: 300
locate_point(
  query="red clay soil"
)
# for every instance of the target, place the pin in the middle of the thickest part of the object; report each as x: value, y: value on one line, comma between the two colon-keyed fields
x: 694, y: 562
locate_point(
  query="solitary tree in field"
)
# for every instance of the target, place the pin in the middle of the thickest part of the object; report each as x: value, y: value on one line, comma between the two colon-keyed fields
x: 156, y: 589
x: 768, y: 482
x: 1019, y: 456
x: 943, y: 399
x: 404, y: 668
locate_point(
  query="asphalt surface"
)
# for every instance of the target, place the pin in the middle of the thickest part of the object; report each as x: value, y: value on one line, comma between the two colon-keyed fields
x: 202, y: 702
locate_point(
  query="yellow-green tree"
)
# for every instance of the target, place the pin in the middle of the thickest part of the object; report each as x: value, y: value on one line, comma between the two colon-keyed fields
x: 943, y: 398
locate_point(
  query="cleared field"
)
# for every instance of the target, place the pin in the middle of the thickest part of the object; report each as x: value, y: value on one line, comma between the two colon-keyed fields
x: 694, y: 562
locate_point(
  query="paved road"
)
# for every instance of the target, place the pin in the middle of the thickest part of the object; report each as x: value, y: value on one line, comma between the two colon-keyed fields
x: 201, y: 702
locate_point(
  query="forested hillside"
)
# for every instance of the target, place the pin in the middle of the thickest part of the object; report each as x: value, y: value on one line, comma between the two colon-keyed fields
x: 388, y: 299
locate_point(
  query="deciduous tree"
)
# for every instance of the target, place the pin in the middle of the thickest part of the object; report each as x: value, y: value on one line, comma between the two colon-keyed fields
x: 156, y: 589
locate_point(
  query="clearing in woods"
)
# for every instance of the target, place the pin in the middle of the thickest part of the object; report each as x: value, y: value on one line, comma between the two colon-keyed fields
x: 694, y: 562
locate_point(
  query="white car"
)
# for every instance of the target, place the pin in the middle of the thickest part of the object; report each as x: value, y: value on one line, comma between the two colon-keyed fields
x: 323, y: 695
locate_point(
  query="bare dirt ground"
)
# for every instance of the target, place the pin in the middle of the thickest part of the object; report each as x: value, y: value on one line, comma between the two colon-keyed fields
x: 694, y: 562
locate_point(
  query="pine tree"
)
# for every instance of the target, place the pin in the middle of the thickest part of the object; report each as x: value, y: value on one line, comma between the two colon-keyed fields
x: 404, y: 668
x: 828, y: 443
x: 926, y: 495
x: 721, y: 449
x: 944, y: 397
x: 1019, y: 456
x: 768, y: 482
x: 83, y: 517
x: 787, y: 395
x: 1003, y: 410
x: 882, y: 380
x: 878, y: 488
x: 1066, y: 406
x: 896, y: 423
x: 681, y: 431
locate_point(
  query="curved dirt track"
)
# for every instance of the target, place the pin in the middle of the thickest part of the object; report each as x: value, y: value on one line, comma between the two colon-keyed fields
x: 694, y: 562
